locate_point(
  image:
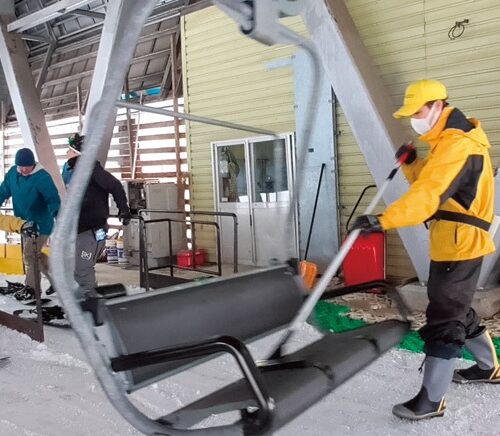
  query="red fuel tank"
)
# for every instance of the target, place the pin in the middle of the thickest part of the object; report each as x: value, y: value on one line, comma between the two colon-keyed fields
x: 366, y: 259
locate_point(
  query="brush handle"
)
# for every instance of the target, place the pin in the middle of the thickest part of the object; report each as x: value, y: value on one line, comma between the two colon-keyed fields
x: 333, y: 267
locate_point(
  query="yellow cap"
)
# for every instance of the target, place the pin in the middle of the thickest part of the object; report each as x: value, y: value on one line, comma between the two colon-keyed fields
x: 418, y: 94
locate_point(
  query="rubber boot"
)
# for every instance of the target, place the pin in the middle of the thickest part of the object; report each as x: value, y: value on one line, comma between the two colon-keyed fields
x: 429, y: 402
x: 486, y: 369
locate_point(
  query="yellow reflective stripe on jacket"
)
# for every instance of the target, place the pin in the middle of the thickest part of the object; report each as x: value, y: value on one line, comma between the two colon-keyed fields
x: 9, y: 223
x: 460, y: 161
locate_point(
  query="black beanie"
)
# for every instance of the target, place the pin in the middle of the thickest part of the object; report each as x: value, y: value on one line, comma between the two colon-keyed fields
x: 25, y: 158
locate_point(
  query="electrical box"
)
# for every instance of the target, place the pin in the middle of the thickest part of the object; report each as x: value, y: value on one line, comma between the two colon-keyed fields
x: 150, y: 195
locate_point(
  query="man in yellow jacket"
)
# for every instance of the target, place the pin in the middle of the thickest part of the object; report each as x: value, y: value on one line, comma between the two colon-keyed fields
x: 453, y: 189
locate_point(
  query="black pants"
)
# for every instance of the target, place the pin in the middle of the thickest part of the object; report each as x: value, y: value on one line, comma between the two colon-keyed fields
x: 450, y: 317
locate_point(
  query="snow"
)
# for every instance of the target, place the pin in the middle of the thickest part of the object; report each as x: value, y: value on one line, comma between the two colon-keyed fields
x: 49, y: 390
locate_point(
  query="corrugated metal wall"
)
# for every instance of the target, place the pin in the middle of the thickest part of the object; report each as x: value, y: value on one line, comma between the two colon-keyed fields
x: 225, y: 77
x: 408, y: 40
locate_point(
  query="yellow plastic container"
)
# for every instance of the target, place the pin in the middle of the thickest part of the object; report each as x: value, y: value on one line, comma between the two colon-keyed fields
x: 11, y: 259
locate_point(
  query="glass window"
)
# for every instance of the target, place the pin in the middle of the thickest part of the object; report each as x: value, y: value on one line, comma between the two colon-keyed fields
x: 270, y: 171
x: 232, y: 174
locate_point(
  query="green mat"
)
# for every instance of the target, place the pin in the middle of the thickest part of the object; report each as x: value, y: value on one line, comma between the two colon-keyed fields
x: 335, y: 318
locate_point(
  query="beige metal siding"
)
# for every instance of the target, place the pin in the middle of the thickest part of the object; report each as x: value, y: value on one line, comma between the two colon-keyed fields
x: 408, y: 40
x: 225, y: 77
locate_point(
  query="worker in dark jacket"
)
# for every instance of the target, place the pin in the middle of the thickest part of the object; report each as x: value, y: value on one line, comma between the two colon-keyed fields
x: 92, y: 224
x: 453, y: 188
x: 35, y: 199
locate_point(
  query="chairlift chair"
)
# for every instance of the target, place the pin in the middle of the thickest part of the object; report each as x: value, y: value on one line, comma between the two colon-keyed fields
x: 147, y: 337
x: 135, y: 340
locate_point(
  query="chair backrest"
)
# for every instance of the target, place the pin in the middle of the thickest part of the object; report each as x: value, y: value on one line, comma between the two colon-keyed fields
x: 245, y: 306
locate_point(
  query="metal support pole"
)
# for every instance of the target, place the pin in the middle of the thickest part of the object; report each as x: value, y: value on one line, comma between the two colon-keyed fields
x: 235, y: 244
x: 195, y: 118
x: 143, y: 238
x: 365, y: 102
x: 173, y: 56
x: 46, y: 63
x: 79, y: 107
x: 26, y: 101
x: 170, y: 260
x: 219, y: 254
x: 193, y: 244
x: 131, y: 148
x: 111, y: 34
x: 137, y: 143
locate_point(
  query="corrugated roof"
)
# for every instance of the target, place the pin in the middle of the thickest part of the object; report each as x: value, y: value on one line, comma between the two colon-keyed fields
x: 76, y: 37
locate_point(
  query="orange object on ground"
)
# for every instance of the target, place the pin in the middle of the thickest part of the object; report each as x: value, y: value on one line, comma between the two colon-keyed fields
x: 308, y: 271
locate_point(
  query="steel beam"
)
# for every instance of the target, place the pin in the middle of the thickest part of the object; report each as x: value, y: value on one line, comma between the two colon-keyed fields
x: 90, y: 14
x: 95, y: 40
x: 26, y: 101
x: 366, y: 105
x: 174, y: 64
x: 46, y: 63
x: 194, y: 118
x: 41, y: 16
x: 37, y: 38
x: 112, y: 34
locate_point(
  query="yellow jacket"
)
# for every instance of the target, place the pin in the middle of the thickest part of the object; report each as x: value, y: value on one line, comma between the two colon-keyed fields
x: 457, y: 176
x: 9, y: 223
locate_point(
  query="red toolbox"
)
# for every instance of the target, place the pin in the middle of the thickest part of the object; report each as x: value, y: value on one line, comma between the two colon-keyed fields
x: 365, y: 261
x: 185, y: 258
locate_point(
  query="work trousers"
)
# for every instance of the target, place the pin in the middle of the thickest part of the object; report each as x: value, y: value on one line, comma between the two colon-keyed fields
x: 88, y: 250
x: 32, y: 251
x: 450, y: 318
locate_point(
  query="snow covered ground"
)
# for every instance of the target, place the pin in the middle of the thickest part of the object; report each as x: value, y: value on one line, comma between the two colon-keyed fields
x: 50, y: 390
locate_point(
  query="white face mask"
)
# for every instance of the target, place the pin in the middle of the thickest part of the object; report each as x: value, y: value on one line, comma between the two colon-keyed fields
x: 423, y: 125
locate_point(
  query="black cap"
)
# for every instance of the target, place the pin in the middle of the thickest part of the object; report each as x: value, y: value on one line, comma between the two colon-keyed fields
x: 75, y: 142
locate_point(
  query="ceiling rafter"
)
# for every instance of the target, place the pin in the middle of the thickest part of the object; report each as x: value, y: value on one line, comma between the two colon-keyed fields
x: 48, y: 13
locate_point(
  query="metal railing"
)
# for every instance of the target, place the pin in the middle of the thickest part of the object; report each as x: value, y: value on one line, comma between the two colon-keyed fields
x: 143, y: 243
x: 204, y: 213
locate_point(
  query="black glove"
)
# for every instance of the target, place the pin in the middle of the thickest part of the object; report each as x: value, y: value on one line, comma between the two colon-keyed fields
x: 406, y: 154
x: 125, y: 218
x: 30, y: 229
x: 367, y: 223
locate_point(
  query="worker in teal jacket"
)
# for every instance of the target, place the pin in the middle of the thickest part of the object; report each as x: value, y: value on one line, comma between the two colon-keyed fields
x: 35, y: 198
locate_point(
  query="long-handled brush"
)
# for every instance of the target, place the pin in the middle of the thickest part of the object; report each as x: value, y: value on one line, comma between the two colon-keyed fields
x: 335, y: 264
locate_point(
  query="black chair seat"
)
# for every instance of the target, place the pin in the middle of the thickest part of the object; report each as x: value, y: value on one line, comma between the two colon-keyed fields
x: 329, y: 362
x: 246, y: 306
